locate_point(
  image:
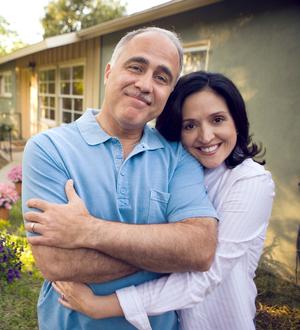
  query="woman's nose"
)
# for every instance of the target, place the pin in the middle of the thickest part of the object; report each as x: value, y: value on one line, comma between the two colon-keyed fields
x: 205, y: 134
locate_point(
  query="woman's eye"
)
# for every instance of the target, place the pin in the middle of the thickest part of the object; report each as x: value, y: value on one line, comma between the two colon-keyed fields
x: 188, y: 127
x: 218, y: 120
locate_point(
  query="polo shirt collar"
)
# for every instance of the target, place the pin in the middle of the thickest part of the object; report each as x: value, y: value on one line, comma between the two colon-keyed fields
x: 89, y: 128
x: 93, y: 134
x: 150, y: 139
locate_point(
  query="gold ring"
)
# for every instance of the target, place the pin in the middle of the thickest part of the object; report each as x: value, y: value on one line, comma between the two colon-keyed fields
x: 32, y: 227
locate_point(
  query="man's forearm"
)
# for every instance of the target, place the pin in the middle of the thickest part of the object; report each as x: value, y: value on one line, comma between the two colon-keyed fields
x: 80, y: 265
x: 183, y: 246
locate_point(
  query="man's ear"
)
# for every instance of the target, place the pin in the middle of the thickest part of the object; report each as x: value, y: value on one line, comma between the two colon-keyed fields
x: 107, y: 72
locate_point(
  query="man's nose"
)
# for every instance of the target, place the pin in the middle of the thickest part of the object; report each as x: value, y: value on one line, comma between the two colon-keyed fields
x: 145, y: 83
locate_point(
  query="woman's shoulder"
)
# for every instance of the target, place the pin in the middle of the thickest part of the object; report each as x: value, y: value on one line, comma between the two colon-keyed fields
x: 249, y: 168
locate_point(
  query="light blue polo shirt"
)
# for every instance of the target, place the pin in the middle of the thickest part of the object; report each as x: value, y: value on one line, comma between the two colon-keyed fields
x: 159, y: 182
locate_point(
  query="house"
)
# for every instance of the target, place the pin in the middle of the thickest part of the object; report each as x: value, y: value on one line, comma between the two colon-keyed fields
x: 256, y: 43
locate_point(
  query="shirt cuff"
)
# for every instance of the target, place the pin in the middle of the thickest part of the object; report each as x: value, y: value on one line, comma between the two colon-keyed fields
x: 133, y: 308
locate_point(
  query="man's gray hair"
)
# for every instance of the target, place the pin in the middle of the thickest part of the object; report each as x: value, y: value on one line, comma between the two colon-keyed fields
x: 173, y: 37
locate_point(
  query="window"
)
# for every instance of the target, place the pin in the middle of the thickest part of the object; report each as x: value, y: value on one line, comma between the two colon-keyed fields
x: 71, y: 92
x: 195, y: 56
x: 47, y: 94
x: 6, y: 84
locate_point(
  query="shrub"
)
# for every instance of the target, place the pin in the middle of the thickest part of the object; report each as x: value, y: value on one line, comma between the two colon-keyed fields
x: 8, y: 195
x: 15, y: 174
x: 10, y: 263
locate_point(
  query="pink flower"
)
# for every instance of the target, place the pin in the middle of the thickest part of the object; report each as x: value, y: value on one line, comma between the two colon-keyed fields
x: 8, y: 195
x: 15, y: 174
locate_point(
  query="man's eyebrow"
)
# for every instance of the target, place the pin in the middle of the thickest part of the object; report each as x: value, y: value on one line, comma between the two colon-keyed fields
x: 138, y: 59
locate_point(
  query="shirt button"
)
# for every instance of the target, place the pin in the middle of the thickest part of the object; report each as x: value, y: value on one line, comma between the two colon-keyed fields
x: 122, y: 173
x: 123, y: 190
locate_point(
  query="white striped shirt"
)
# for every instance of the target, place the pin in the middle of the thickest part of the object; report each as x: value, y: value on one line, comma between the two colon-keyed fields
x: 223, y: 297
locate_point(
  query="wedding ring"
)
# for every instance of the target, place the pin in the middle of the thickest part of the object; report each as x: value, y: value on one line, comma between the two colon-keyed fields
x: 32, y: 226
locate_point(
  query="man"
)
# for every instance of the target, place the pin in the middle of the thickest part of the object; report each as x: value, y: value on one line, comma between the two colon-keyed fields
x: 124, y: 172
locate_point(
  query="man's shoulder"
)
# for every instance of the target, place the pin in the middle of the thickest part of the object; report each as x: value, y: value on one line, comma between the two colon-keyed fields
x: 61, y: 135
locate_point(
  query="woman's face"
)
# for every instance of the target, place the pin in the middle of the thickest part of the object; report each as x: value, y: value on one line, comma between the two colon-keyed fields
x: 208, y: 130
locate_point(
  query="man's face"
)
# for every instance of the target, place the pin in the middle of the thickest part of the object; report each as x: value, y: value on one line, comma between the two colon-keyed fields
x: 139, y: 83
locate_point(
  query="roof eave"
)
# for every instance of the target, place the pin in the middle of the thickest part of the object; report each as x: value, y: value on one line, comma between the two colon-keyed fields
x: 48, y: 43
x: 167, y: 9
x: 164, y: 10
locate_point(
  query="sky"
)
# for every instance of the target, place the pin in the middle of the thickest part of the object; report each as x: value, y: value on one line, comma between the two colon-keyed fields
x: 24, y: 15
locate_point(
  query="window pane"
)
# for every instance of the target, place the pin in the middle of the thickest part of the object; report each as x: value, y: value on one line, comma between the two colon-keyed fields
x: 51, y: 75
x: 78, y: 88
x: 42, y: 75
x: 67, y: 104
x: 76, y: 116
x: 78, y: 104
x: 65, y: 73
x: 51, y: 88
x: 43, y: 101
x: 193, y: 61
x: 65, y: 88
x: 43, y: 88
x: 52, y: 102
x: 52, y: 114
x: 67, y: 117
x: 77, y: 72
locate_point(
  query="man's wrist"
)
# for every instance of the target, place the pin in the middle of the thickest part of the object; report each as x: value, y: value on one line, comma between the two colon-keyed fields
x: 91, y: 237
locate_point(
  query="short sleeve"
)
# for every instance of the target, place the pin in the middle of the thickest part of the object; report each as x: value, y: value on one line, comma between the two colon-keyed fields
x: 43, y: 174
x: 188, y: 194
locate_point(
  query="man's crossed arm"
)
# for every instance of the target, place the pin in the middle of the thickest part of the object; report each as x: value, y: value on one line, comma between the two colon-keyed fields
x: 95, y: 250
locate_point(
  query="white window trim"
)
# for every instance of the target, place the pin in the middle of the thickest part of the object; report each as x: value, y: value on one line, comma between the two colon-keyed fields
x: 203, y: 45
x: 61, y: 96
x: 47, y: 121
x: 4, y: 74
x: 58, y: 96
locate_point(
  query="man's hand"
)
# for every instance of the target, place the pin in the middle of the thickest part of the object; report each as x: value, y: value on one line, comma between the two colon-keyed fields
x: 60, y: 225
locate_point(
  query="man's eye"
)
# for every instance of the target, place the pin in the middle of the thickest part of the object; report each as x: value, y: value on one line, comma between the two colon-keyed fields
x: 162, y: 78
x: 135, y: 68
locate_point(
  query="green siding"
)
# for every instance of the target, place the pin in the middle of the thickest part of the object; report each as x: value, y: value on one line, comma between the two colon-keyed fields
x: 257, y: 44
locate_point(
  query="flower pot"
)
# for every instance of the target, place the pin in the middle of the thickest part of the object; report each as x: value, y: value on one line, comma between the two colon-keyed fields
x: 18, y: 186
x: 4, y: 213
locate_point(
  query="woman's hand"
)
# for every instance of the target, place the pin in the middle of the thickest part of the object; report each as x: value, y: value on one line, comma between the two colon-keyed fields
x: 80, y: 297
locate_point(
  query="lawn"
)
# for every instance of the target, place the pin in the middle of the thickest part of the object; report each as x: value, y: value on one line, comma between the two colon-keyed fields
x: 278, y: 301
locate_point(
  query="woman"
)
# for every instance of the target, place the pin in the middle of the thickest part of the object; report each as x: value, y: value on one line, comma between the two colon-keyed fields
x: 207, y: 112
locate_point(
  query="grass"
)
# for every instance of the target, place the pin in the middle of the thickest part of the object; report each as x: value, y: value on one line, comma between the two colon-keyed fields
x: 18, y: 304
x: 18, y: 300
x: 278, y: 301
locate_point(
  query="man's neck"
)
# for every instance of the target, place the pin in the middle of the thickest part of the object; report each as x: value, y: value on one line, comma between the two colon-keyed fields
x: 128, y: 137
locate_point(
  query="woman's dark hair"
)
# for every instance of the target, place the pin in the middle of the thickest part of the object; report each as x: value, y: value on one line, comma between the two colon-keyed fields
x: 169, y: 123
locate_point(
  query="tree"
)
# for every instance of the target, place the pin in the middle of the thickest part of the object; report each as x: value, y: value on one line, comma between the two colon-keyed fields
x: 62, y: 16
x: 9, y: 39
